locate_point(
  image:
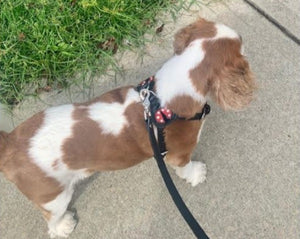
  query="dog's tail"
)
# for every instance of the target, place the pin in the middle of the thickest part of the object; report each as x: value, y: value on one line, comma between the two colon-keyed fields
x: 3, y: 145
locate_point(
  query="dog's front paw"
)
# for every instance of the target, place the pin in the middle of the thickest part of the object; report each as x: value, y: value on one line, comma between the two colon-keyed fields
x: 198, y: 174
x: 65, y: 226
x: 194, y: 172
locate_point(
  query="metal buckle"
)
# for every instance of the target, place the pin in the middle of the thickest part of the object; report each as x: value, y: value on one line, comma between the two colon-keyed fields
x: 144, y: 96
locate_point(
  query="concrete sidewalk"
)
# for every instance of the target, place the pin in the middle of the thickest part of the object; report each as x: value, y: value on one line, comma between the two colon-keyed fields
x: 253, y: 157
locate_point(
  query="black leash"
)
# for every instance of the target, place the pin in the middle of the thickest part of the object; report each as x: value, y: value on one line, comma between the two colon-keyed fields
x: 185, y: 212
x: 158, y: 117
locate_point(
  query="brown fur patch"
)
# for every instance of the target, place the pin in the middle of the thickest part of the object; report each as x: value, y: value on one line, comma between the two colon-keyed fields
x: 91, y: 149
x: 181, y: 135
x: 184, y: 106
x: 99, y: 151
x: 197, y: 30
x: 224, y: 74
x: 181, y: 139
x: 18, y: 168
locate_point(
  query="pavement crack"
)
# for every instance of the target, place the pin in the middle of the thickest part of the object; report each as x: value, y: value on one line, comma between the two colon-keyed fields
x: 272, y: 20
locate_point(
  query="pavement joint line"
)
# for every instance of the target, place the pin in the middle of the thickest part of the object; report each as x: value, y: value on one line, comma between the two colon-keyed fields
x: 272, y: 20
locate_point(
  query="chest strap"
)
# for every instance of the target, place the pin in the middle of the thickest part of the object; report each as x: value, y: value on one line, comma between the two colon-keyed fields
x: 162, y: 116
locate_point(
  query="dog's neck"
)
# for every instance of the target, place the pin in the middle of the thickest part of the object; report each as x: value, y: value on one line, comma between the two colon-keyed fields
x: 173, y: 82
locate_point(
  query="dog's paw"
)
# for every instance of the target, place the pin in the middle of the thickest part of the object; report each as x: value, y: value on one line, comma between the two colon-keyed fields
x: 198, y: 174
x: 194, y: 173
x: 65, y: 226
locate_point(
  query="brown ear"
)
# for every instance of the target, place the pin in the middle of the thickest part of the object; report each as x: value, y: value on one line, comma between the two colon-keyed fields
x: 181, y: 40
x: 199, y: 29
x: 233, y: 88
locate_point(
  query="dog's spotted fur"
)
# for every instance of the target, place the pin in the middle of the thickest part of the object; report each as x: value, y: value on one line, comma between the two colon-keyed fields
x: 47, y: 154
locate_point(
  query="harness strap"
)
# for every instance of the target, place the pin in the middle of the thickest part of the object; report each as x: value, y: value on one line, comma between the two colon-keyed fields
x: 162, y: 116
x: 200, y: 115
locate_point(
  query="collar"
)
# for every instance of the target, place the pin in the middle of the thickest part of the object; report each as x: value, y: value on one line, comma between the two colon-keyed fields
x: 161, y: 116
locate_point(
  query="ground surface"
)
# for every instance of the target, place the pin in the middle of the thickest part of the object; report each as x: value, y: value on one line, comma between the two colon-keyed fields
x: 252, y: 189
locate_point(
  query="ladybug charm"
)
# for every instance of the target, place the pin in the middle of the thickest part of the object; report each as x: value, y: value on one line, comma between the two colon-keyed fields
x: 159, y: 117
x: 167, y: 113
x: 163, y: 114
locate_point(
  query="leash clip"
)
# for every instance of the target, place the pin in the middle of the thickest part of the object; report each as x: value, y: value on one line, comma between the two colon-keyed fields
x: 144, y: 96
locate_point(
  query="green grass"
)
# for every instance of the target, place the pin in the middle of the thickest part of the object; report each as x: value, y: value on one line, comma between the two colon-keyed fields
x: 44, y: 43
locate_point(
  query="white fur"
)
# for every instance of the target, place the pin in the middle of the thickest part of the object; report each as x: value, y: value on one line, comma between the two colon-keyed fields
x: 59, y: 205
x: 61, y: 222
x: 225, y: 32
x: 45, y: 148
x: 64, y: 227
x: 46, y: 145
x: 173, y: 79
x: 193, y: 172
x: 110, y: 116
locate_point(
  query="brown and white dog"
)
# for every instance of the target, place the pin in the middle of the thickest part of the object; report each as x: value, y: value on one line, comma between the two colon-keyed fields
x: 47, y: 154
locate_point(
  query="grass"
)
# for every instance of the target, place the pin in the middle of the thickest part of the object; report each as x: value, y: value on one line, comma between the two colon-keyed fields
x: 44, y: 43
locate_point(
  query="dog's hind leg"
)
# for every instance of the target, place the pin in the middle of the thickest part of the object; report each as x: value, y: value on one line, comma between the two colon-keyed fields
x: 60, y: 221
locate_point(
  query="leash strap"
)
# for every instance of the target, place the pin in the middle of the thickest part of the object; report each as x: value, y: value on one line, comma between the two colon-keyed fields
x: 185, y: 212
x: 158, y: 117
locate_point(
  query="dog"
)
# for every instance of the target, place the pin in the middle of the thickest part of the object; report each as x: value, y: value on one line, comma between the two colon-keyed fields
x: 49, y: 153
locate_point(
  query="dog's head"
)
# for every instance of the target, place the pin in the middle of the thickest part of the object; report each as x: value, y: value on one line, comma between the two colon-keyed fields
x: 224, y: 72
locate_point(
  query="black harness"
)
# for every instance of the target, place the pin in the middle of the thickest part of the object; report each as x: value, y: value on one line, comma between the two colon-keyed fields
x: 159, y: 117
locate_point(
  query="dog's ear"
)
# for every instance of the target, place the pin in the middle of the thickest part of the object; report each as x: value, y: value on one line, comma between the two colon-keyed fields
x: 181, y: 40
x: 197, y: 30
x: 233, y: 87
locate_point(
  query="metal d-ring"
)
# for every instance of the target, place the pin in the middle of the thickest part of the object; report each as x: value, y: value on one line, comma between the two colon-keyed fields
x: 144, y: 96
x: 144, y: 93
